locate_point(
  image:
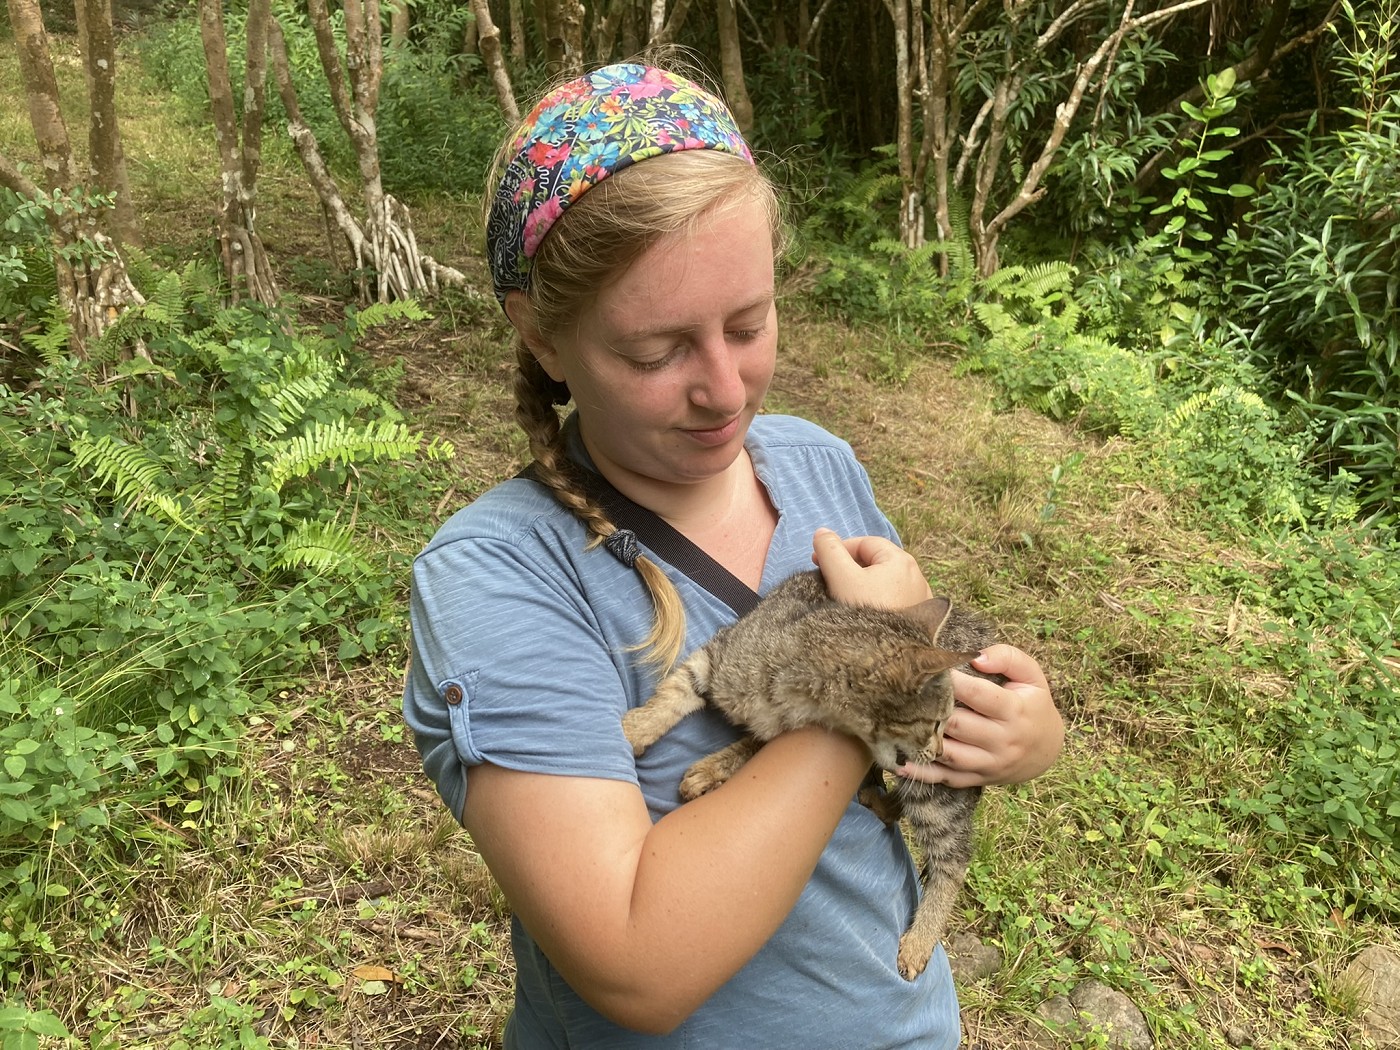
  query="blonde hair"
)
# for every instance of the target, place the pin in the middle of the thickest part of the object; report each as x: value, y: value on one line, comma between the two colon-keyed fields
x: 596, y: 240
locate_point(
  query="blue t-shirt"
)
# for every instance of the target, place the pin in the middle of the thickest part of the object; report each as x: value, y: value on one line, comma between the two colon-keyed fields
x: 523, y: 656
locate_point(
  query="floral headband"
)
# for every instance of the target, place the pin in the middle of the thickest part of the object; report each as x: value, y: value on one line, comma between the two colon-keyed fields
x: 581, y: 133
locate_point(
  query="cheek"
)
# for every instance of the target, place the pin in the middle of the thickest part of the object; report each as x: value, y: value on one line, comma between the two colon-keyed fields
x: 758, y: 370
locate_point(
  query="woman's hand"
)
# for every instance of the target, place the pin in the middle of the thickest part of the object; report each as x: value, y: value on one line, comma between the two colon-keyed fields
x: 998, y: 734
x: 869, y: 570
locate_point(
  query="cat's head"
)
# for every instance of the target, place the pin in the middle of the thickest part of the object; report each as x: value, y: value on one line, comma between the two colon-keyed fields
x: 915, y: 688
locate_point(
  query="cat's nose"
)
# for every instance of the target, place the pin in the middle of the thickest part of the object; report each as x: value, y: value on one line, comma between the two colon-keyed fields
x: 900, y: 758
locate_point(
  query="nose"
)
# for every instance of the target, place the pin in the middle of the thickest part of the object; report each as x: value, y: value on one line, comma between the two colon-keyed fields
x: 718, y: 383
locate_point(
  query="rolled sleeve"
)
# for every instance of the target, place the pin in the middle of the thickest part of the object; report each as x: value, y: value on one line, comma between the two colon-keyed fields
x: 509, y: 667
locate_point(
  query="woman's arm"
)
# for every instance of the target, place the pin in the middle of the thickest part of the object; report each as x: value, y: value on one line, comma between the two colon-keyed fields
x: 645, y: 921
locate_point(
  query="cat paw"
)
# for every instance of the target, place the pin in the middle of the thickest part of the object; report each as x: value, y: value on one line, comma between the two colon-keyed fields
x: 700, y: 779
x: 639, y: 729
x: 913, y: 956
x: 881, y: 804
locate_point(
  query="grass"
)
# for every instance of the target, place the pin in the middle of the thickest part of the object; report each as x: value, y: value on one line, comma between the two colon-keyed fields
x: 322, y: 896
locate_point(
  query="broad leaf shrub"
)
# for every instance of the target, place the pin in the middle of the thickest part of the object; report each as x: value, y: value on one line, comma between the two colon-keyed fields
x: 1316, y: 278
x: 1240, y: 470
x: 175, y: 543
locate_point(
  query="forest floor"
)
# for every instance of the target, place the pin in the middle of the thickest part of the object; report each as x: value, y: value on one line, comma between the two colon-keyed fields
x: 328, y: 900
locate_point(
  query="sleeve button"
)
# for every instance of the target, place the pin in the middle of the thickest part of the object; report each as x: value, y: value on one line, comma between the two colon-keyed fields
x: 453, y: 694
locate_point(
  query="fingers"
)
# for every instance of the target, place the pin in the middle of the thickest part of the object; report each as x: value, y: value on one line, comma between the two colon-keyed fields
x: 989, y: 699
x: 939, y: 773
x: 1016, y: 667
x: 1000, y: 733
x: 869, y: 570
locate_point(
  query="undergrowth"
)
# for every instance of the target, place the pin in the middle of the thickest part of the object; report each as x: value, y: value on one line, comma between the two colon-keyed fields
x: 184, y: 516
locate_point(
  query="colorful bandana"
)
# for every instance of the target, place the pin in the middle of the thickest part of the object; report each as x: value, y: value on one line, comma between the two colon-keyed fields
x: 581, y: 133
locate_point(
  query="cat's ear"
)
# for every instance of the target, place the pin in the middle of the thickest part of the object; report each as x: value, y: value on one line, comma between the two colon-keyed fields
x: 933, y: 614
x: 936, y: 661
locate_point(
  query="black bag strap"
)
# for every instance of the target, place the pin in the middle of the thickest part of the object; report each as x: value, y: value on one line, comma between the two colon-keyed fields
x: 663, y: 538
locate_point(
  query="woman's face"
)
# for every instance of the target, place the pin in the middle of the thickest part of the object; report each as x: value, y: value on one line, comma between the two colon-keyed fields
x: 670, y: 362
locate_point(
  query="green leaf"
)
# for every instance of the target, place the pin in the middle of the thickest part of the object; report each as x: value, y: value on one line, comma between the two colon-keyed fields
x: 25, y: 559
x: 15, y: 766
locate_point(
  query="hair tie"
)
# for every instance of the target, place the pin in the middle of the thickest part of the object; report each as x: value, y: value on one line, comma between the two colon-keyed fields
x: 584, y: 131
x: 623, y: 546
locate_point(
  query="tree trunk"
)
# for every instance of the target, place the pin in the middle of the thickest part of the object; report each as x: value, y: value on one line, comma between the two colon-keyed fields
x: 400, y: 20
x: 471, y: 34
x: 671, y: 29
x: 569, y: 20
x: 490, y: 38
x: 547, y: 21
x: 93, y: 285
x: 106, y: 157
x: 241, y: 250
x: 606, y: 26
x: 731, y: 57
x: 517, y: 30
x: 911, y: 200
x: 386, y: 260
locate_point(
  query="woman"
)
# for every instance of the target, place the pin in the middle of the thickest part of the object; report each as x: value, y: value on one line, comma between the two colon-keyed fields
x: 632, y: 242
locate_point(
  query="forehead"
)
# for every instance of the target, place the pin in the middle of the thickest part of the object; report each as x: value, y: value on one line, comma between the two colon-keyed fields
x: 722, y: 264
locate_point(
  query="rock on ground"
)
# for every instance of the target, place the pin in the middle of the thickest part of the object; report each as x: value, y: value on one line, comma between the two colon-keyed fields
x: 1375, y: 975
x: 1095, y: 1005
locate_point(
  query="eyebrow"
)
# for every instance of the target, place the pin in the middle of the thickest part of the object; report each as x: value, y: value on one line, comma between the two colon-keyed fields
x: 637, y: 335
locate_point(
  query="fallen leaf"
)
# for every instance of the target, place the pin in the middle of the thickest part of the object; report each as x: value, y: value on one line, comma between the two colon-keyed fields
x: 374, y: 973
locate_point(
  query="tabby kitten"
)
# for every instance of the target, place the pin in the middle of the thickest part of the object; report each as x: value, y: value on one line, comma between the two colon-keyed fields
x: 801, y: 658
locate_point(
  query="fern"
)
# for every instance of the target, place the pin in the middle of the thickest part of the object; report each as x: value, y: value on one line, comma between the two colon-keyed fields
x: 325, y: 548
x: 227, y: 488
x: 368, y: 317
x: 342, y: 441
x: 133, y: 476
x: 137, y: 324
x: 54, y: 337
x: 1037, y: 286
x: 287, y: 403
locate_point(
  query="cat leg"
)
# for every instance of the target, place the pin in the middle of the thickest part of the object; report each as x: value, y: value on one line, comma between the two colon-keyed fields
x: 680, y: 693
x: 930, y: 920
x: 713, y: 770
x: 873, y: 796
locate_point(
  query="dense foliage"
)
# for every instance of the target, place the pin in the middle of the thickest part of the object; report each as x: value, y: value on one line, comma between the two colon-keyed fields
x: 183, y: 527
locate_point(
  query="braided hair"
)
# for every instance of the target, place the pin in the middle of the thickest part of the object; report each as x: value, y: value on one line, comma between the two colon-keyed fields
x: 593, y: 242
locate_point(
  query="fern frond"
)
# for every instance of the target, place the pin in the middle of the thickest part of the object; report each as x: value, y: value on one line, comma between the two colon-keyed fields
x: 286, y: 403
x: 136, y: 323
x: 144, y: 273
x: 225, y: 493
x: 325, y: 444
x: 368, y: 317
x: 328, y: 548
x: 53, y: 339
x: 134, y: 477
